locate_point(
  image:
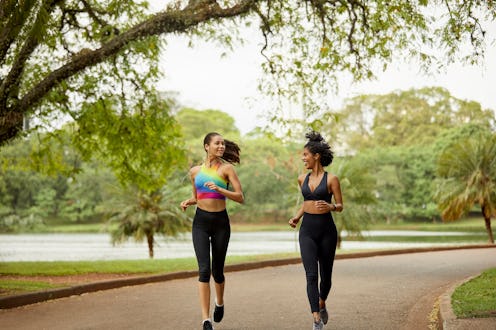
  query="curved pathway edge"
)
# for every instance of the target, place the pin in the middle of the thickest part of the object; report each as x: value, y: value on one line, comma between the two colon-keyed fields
x: 447, y: 319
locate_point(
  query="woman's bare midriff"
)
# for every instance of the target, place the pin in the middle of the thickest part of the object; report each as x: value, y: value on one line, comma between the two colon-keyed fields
x: 309, y: 207
x: 211, y: 205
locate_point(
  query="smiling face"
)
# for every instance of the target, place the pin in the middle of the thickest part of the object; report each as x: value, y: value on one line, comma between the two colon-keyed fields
x: 309, y: 159
x: 216, y: 146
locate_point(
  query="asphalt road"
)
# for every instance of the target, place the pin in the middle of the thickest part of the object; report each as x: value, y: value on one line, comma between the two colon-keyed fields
x: 382, y: 292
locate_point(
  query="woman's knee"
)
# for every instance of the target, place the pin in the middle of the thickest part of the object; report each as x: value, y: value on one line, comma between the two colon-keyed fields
x: 204, y: 274
x: 312, y: 277
x: 218, y: 276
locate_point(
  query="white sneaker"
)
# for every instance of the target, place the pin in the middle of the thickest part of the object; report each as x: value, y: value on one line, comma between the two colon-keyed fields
x: 318, y: 326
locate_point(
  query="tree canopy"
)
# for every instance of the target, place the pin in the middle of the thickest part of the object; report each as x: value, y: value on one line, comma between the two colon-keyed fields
x: 56, y: 55
x: 406, y: 118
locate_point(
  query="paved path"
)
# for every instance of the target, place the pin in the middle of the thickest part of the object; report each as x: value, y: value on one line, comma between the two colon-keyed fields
x: 384, y: 292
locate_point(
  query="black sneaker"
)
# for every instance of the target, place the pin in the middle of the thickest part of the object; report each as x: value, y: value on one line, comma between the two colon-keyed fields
x: 324, y: 316
x: 218, y: 313
x: 207, y: 325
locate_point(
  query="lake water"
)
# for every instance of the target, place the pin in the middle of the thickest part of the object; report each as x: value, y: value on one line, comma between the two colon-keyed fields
x: 68, y: 247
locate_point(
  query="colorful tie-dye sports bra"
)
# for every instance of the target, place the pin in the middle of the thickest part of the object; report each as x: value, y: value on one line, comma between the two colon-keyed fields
x: 206, y: 175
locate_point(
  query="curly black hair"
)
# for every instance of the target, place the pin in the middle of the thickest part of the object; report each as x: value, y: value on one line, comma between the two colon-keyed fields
x: 317, y: 145
x: 231, y: 154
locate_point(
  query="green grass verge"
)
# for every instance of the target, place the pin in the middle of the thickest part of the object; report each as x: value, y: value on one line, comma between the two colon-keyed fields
x: 477, y: 297
x: 8, y: 287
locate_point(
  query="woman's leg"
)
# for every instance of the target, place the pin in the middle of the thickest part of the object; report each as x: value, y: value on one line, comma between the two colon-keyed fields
x: 327, y: 252
x: 309, y: 250
x: 220, y: 242
x: 204, y: 293
x: 219, y: 293
x: 201, y: 244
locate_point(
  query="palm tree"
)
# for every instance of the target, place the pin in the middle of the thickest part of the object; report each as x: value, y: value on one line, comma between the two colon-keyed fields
x: 467, y: 176
x: 141, y: 215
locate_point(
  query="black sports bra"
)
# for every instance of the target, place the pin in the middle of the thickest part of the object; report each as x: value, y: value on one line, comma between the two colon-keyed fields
x: 320, y: 192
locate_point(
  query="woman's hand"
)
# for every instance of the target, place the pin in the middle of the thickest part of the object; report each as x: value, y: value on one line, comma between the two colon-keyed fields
x: 323, y: 206
x: 186, y: 203
x: 212, y: 186
x: 293, y: 222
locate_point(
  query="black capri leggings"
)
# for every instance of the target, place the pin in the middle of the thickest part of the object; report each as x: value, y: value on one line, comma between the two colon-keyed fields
x: 318, y: 238
x: 211, y: 228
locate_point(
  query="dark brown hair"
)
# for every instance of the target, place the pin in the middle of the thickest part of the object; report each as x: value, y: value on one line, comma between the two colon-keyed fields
x: 317, y: 145
x: 231, y: 154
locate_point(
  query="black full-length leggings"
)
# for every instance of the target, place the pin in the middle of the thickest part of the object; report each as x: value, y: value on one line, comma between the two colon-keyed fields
x: 318, y: 238
x: 211, y: 229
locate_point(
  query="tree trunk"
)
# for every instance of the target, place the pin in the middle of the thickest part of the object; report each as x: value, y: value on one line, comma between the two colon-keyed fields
x: 340, y: 239
x: 149, y: 239
x: 487, y: 219
x: 489, y: 230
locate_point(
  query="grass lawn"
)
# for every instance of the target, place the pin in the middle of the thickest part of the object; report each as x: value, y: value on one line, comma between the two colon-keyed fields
x: 477, y: 297
x: 19, y: 286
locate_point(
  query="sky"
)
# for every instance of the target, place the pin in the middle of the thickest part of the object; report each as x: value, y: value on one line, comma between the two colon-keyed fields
x: 201, y: 78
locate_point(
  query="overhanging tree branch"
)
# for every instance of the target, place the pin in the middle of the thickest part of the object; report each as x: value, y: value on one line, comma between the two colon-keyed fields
x: 11, y: 27
x: 162, y: 23
x: 9, y: 87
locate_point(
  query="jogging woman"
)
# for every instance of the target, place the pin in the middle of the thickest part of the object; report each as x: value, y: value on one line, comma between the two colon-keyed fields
x: 211, y: 228
x: 318, y: 235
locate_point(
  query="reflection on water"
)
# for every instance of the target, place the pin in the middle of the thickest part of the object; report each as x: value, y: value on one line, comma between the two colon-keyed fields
x: 67, y: 247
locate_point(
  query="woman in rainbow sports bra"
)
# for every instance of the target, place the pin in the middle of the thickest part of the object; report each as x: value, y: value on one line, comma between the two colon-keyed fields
x: 211, y: 226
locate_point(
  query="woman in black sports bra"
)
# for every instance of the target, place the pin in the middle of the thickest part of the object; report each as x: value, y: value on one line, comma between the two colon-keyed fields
x: 318, y: 235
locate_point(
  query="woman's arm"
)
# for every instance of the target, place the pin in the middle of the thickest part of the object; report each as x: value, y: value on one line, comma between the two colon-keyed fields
x: 294, y: 220
x: 192, y: 200
x: 338, y: 197
x: 237, y: 193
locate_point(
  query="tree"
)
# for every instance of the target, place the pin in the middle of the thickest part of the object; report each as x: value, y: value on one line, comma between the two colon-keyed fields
x: 268, y: 171
x: 467, y: 176
x: 195, y: 124
x: 357, y: 186
x: 142, y: 215
x: 141, y: 147
x: 401, y: 134
x: 406, y: 118
x: 56, y: 53
x: 84, y: 195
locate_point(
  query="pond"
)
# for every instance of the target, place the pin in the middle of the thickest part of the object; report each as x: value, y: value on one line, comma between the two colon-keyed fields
x: 70, y: 247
